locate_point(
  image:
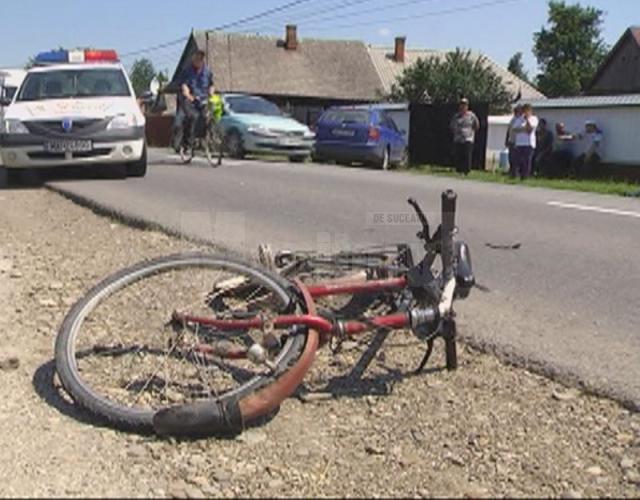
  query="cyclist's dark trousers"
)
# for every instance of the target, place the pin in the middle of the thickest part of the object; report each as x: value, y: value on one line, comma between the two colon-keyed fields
x: 186, y: 121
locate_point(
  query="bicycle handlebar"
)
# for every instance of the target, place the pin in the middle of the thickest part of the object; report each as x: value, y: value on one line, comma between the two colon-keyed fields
x: 424, y: 234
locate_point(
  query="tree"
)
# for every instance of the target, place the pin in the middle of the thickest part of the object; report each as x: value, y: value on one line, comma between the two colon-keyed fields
x: 440, y: 80
x: 570, y: 49
x: 516, y: 66
x: 141, y: 74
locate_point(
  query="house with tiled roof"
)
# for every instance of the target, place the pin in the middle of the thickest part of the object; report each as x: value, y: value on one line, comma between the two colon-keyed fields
x: 390, y: 63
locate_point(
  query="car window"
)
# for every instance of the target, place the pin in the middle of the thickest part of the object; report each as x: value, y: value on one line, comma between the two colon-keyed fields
x: 9, y: 92
x: 252, y: 105
x: 346, y: 116
x: 391, y: 124
x: 72, y: 83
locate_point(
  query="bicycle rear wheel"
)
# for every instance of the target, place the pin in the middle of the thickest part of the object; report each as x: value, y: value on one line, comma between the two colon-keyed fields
x: 120, y: 355
x: 213, y: 146
x: 186, y: 154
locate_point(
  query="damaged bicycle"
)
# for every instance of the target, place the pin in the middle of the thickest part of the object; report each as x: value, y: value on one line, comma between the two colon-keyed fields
x: 196, y: 344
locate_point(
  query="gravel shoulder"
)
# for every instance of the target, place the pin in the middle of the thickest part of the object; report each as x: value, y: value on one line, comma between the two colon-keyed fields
x: 489, y: 429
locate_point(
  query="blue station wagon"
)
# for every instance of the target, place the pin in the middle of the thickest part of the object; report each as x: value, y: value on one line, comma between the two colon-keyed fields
x: 360, y: 135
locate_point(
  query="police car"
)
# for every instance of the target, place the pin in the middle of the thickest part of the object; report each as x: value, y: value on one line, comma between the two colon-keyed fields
x: 74, y: 108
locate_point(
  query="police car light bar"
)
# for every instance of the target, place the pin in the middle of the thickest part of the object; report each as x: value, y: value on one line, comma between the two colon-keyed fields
x: 75, y: 56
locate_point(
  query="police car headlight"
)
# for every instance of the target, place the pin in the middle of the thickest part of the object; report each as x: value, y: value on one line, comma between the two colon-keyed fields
x: 12, y: 126
x: 123, y: 121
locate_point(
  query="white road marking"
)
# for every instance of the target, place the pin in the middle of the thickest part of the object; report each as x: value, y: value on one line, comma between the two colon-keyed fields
x: 590, y: 208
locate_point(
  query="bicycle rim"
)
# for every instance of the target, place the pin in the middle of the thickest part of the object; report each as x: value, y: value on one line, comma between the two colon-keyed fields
x: 119, y: 354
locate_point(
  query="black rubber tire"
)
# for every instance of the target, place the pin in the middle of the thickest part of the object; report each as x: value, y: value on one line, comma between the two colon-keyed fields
x: 186, y: 155
x: 233, y: 143
x: 128, y: 418
x: 138, y: 168
x: 213, y: 148
x: 10, y: 176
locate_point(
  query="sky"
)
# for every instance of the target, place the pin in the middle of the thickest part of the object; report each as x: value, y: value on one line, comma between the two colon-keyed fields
x: 499, y: 28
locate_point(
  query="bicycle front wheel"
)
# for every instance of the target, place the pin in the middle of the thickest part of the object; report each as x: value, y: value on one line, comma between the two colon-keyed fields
x: 121, y: 354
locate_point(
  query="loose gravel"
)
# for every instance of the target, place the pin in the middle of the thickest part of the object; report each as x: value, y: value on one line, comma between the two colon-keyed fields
x: 486, y: 430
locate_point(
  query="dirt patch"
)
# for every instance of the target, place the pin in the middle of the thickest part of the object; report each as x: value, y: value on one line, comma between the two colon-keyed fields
x: 486, y: 430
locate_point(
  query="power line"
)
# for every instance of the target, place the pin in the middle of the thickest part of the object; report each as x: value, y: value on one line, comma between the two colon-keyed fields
x: 245, y: 20
x: 265, y: 13
x: 421, y: 16
x: 314, y: 12
x: 313, y: 16
x: 396, y: 5
x: 155, y: 47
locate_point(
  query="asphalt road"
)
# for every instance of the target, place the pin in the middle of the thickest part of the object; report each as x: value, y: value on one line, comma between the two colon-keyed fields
x: 566, y: 302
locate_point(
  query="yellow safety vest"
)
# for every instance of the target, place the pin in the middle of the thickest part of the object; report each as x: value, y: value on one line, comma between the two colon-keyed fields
x: 217, y: 106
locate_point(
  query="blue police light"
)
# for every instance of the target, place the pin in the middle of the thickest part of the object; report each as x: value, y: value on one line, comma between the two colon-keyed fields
x: 52, y: 56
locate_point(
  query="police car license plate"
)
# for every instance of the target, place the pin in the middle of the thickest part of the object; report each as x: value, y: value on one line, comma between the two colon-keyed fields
x: 71, y: 146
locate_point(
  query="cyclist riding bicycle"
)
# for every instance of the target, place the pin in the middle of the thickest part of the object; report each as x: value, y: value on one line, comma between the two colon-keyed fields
x: 196, y: 86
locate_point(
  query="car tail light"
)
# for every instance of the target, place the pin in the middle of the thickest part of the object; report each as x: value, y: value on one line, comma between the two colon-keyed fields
x: 100, y: 55
x: 374, y: 133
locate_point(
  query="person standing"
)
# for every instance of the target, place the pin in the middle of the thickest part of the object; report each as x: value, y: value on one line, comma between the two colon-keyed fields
x: 563, y: 151
x: 510, y: 139
x: 544, y: 148
x: 588, y: 163
x: 464, y: 126
x: 525, y: 143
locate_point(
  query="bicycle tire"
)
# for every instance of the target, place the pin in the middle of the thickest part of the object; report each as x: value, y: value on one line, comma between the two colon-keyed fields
x: 141, y: 420
x: 213, y: 144
x: 186, y: 155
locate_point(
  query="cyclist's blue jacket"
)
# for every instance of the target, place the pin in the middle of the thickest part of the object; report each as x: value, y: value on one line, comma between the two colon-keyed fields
x: 198, y: 81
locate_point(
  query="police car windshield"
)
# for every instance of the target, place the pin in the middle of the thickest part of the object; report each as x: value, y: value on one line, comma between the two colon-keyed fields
x: 73, y: 83
x: 252, y: 105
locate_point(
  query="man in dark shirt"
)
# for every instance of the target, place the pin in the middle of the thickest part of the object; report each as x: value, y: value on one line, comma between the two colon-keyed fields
x: 544, y: 148
x: 464, y: 126
x: 196, y: 85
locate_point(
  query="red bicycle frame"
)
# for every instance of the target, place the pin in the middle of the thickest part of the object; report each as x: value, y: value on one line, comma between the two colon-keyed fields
x: 325, y: 327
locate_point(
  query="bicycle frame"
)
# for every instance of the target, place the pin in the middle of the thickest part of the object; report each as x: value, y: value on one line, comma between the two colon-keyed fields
x: 325, y: 327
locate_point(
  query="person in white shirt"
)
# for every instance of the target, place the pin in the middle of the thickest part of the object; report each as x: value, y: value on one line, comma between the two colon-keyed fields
x: 524, y: 129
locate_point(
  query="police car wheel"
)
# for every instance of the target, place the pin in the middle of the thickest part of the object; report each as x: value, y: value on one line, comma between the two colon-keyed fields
x: 9, y: 176
x: 138, y: 168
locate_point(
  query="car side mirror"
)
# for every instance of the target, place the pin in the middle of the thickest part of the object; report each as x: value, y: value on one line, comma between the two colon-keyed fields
x: 403, y: 132
x: 5, y: 101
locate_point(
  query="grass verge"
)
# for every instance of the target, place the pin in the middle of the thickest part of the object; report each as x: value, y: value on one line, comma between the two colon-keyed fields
x: 602, y: 186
